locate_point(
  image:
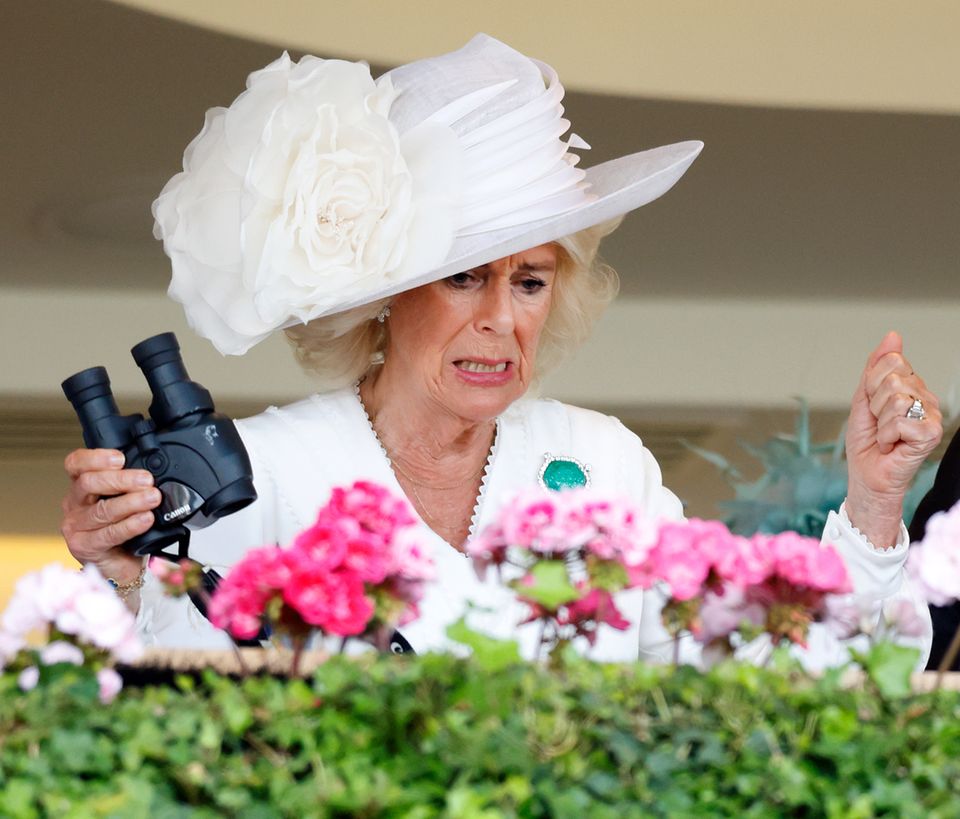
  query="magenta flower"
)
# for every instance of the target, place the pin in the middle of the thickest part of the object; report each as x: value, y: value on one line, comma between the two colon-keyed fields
x: 588, y: 612
x: 355, y: 571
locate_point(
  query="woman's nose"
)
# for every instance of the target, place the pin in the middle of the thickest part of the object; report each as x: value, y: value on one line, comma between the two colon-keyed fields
x: 494, y: 312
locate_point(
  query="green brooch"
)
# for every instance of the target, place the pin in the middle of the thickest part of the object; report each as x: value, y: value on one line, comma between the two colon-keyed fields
x: 563, y: 472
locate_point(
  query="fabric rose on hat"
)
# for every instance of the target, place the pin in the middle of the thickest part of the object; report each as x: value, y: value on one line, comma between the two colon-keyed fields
x: 301, y: 197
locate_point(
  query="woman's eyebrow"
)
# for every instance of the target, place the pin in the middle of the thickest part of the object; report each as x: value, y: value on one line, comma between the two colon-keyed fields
x: 525, y: 267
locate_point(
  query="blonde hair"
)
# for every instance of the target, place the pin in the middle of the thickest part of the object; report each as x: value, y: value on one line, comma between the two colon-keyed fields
x: 339, y: 349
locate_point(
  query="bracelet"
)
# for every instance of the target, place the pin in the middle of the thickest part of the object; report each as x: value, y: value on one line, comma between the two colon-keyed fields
x: 124, y: 590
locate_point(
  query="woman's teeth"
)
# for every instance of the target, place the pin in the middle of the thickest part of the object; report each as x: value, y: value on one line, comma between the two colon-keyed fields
x: 477, y: 367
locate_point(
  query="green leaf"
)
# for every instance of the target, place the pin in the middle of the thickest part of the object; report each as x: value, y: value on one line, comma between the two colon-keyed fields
x: 491, y: 654
x: 551, y: 586
x: 889, y: 666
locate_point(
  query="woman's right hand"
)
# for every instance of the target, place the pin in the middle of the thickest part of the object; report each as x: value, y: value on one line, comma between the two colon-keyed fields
x: 105, y: 506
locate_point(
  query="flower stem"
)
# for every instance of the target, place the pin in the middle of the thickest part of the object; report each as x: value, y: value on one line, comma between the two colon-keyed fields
x: 298, y: 646
x: 948, y: 658
x: 541, y: 639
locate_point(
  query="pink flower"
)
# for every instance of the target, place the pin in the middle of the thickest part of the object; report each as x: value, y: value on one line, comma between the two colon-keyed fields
x: 805, y: 562
x: 177, y: 578
x: 372, y: 506
x: 744, y: 562
x: 110, y: 684
x: 527, y: 523
x: 675, y: 560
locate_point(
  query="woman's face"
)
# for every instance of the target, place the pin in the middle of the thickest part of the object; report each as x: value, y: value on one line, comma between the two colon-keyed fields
x: 469, y: 342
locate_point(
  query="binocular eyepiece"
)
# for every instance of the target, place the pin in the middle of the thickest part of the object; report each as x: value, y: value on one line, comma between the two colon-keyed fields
x: 195, y: 454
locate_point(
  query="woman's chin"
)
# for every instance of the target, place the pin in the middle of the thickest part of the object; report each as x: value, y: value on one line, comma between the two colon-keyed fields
x: 484, y: 402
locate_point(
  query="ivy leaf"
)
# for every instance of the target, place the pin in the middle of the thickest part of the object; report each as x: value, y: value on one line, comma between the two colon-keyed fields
x: 551, y: 586
x: 491, y: 654
x: 889, y: 666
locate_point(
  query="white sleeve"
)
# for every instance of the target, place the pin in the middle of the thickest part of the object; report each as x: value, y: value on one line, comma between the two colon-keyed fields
x: 175, y: 622
x: 879, y: 582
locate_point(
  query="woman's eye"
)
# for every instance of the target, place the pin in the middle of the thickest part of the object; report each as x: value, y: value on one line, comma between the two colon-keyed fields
x: 532, y: 284
x: 461, y: 279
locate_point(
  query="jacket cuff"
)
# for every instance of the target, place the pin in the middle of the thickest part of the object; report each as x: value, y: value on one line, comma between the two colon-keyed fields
x: 875, y: 573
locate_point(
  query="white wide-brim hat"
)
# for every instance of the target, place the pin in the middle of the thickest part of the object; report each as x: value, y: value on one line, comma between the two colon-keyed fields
x: 320, y: 189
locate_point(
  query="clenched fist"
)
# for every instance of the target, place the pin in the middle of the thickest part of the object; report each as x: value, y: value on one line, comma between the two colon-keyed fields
x: 885, y: 445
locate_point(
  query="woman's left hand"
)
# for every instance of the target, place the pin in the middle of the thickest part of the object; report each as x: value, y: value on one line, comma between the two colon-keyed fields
x: 885, y: 448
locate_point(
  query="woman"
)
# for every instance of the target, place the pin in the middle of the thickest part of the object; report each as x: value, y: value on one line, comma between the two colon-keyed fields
x: 429, y: 245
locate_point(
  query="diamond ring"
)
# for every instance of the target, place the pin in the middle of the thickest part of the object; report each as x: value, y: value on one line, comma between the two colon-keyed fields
x: 916, y: 411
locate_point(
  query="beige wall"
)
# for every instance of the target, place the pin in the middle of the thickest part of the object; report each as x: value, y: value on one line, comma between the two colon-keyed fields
x: 891, y: 55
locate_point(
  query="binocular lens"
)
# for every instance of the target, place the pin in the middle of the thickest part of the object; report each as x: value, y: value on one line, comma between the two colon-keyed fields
x: 175, y: 396
x: 89, y: 392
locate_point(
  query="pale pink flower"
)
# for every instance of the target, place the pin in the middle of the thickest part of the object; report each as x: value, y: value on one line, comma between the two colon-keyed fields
x: 28, y: 678
x: 903, y: 617
x: 10, y: 645
x: 160, y: 568
x: 844, y: 616
x: 934, y: 563
x: 110, y: 684
x: 81, y: 604
x: 410, y: 560
x: 723, y: 614
x: 61, y: 652
x: 97, y: 617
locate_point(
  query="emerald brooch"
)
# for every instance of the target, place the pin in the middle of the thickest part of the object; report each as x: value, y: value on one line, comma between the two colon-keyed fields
x: 562, y: 472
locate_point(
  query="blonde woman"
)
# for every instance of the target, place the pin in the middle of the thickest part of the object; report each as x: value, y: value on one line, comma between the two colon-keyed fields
x: 429, y: 245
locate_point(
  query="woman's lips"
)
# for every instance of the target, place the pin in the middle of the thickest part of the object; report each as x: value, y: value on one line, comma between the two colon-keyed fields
x: 484, y: 372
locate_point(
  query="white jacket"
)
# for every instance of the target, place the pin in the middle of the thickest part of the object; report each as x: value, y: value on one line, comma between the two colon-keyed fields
x: 300, y: 452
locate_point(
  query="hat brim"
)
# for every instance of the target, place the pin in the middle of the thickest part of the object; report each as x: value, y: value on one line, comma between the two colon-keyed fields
x: 620, y: 186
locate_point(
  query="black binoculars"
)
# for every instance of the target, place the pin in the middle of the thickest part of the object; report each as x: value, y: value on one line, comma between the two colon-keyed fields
x: 196, y: 456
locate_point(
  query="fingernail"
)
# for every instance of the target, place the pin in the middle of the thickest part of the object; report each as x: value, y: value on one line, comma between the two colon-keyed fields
x: 144, y: 479
x: 146, y: 517
x: 117, y: 459
x: 154, y: 496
